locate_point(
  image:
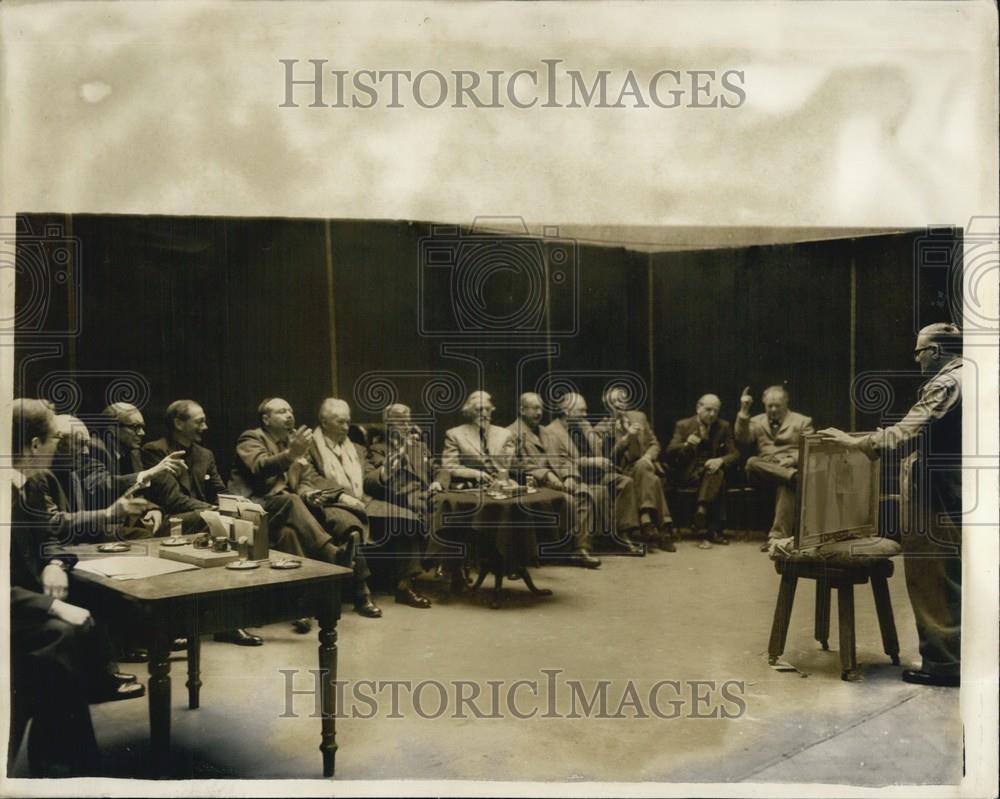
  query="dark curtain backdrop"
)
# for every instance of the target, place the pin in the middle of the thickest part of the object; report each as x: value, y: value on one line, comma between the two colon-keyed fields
x: 229, y: 311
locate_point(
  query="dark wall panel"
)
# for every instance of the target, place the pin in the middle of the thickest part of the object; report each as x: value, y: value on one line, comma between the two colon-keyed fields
x: 757, y: 316
x: 228, y: 311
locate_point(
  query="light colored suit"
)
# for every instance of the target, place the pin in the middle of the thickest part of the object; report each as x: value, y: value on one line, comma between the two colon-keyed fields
x: 613, y: 492
x: 776, y: 461
x: 535, y: 456
x: 463, y: 453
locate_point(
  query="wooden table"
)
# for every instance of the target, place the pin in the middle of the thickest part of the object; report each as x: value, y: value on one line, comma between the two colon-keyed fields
x: 503, y: 533
x: 198, y: 602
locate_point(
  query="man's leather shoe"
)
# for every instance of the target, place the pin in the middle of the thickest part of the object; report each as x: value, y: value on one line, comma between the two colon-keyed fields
x: 365, y: 607
x: 179, y: 644
x: 136, y: 655
x: 925, y: 678
x: 765, y: 546
x: 113, y: 690
x: 240, y: 637
x: 120, y: 677
x: 718, y: 537
x: 667, y: 541
x: 583, y: 558
x: 407, y: 596
x: 302, y: 626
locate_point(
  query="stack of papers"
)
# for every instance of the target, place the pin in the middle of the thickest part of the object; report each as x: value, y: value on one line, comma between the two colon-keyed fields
x: 131, y: 567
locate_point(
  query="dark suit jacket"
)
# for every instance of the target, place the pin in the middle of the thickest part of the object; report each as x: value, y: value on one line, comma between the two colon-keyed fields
x: 407, y: 487
x: 36, y: 520
x: 106, y: 475
x: 621, y: 452
x: 267, y: 468
x: 683, y: 458
x: 196, y: 489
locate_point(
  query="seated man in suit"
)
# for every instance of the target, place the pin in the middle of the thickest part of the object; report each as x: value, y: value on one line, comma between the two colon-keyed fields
x: 114, y: 464
x: 774, y: 438
x: 344, y: 465
x: 61, y: 492
x: 572, y: 440
x: 532, y: 451
x: 400, y: 468
x: 478, y: 451
x: 628, y: 441
x: 59, y: 659
x: 700, y: 451
x: 272, y: 467
x: 196, y: 487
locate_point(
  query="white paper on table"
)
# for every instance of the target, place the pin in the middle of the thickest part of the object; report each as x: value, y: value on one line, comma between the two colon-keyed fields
x: 130, y: 567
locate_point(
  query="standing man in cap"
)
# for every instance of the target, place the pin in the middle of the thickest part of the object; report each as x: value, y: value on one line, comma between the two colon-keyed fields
x: 933, y: 555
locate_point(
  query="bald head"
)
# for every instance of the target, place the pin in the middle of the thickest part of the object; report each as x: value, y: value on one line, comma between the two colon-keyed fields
x: 707, y: 409
x: 75, y: 439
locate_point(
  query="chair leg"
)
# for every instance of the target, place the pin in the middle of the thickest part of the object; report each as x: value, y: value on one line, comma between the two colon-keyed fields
x: 782, y: 617
x: 845, y: 624
x: 822, y: 630
x: 886, y: 622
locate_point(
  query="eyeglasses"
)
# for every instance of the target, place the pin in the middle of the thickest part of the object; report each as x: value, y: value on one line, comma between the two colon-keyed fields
x: 919, y: 350
x: 135, y: 428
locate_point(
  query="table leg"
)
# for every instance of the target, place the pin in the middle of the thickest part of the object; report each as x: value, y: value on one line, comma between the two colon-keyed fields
x: 523, y: 571
x: 328, y: 678
x: 497, y: 588
x: 159, y: 697
x: 194, y: 668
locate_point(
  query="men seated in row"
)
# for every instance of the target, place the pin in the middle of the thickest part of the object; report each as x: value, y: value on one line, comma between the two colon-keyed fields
x: 60, y: 660
x: 534, y: 451
x: 272, y: 467
x: 184, y: 494
x: 114, y: 462
x: 479, y: 451
x: 773, y: 437
x: 573, y: 441
x: 626, y: 438
x: 346, y: 466
x: 699, y: 452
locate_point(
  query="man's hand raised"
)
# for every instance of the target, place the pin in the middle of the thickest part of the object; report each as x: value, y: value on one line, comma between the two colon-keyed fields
x: 299, y: 441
